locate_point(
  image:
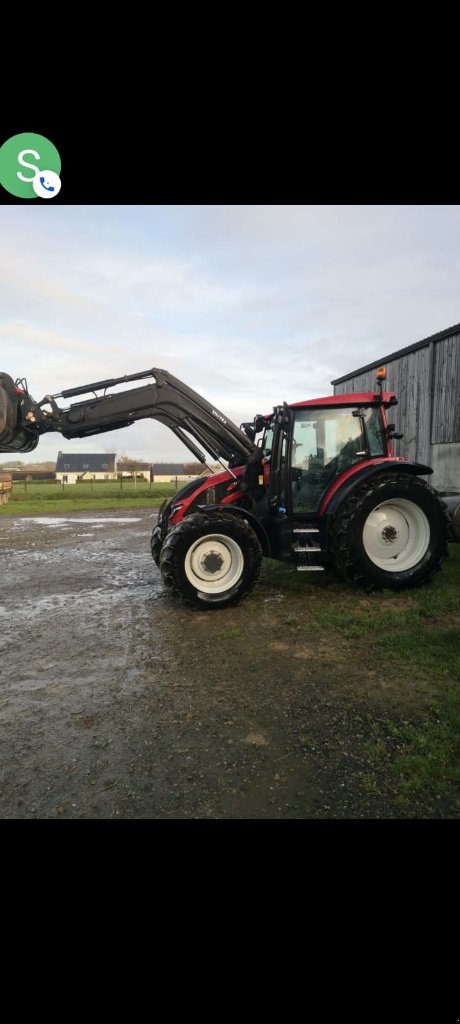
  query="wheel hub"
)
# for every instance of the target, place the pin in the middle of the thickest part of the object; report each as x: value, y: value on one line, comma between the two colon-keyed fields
x: 389, y: 534
x: 396, y: 535
x: 212, y: 561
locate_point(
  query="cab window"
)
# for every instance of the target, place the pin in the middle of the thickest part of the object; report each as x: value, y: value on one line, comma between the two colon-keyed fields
x: 325, y: 442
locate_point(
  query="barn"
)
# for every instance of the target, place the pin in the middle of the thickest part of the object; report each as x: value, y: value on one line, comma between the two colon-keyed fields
x: 425, y: 377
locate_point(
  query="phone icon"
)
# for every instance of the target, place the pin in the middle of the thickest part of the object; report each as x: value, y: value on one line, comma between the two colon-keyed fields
x: 49, y: 188
x: 46, y: 184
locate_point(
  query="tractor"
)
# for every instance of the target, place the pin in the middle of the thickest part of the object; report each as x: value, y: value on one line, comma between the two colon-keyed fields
x: 312, y: 483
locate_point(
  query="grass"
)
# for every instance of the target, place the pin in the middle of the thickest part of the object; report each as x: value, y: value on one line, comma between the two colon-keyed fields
x: 409, y: 636
x: 35, y: 498
x: 430, y: 764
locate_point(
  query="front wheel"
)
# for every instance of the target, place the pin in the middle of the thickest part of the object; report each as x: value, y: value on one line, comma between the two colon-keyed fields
x: 211, y: 561
x: 390, y: 533
x: 156, y: 544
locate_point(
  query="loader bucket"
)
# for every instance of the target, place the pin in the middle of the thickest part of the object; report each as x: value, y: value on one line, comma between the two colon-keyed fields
x: 13, y: 437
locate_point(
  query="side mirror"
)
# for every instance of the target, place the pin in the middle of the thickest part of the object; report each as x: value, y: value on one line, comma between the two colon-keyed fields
x: 249, y: 430
x: 391, y: 432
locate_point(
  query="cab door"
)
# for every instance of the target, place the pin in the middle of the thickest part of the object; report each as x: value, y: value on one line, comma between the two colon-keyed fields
x: 278, y: 523
x: 325, y: 443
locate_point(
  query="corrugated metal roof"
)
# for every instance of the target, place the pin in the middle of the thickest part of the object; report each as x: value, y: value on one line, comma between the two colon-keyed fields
x: 401, y: 352
x: 88, y: 462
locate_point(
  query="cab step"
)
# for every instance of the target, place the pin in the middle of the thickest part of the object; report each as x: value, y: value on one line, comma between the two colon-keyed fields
x: 307, y: 551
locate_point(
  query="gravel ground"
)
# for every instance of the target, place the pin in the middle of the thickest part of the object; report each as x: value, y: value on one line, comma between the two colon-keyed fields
x: 118, y: 702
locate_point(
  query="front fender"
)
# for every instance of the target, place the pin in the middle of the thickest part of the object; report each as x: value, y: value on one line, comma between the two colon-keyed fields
x: 243, y: 513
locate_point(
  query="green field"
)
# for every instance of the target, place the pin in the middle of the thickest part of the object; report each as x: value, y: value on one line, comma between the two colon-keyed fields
x: 412, y: 635
x: 41, y: 497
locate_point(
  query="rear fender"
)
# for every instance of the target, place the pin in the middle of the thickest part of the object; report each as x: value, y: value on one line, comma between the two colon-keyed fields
x: 338, y: 493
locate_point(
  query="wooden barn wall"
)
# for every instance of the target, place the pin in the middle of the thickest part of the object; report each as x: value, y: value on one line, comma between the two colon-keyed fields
x: 445, y: 425
x: 409, y: 378
x: 427, y: 386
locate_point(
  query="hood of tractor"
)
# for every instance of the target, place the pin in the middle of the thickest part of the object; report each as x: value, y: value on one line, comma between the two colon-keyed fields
x: 208, y: 490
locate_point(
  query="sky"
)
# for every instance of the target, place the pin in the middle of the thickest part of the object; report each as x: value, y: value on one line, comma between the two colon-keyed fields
x: 249, y: 305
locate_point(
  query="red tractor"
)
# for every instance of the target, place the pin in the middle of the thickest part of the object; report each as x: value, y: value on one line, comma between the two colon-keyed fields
x: 314, y: 483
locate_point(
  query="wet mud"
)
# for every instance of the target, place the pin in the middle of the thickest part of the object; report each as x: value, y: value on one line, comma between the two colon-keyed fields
x: 118, y: 702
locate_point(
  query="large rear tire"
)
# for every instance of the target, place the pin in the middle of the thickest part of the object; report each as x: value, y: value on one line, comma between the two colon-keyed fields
x: 392, y: 532
x: 211, y: 561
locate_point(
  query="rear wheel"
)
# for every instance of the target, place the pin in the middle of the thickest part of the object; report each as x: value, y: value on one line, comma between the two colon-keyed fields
x: 211, y: 561
x: 391, y: 533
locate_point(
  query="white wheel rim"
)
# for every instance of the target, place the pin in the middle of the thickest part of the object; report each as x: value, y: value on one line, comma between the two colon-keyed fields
x: 213, y: 564
x: 396, y: 535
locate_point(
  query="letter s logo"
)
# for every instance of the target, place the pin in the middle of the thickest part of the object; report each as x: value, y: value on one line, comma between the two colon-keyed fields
x: 27, y: 152
x: 23, y: 158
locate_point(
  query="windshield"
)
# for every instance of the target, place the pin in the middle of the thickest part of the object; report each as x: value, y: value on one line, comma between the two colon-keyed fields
x: 321, y: 435
x: 325, y: 443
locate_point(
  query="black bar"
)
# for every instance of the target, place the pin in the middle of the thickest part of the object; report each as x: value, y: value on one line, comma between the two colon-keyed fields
x: 70, y: 392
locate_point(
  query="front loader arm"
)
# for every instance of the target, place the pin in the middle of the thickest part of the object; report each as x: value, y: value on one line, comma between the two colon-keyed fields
x: 167, y: 399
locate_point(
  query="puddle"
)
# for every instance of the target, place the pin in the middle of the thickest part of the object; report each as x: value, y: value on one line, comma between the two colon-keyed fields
x: 81, y: 605
x: 65, y: 522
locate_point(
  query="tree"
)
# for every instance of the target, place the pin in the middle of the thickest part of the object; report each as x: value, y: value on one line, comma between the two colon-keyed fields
x: 193, y: 468
x: 131, y: 466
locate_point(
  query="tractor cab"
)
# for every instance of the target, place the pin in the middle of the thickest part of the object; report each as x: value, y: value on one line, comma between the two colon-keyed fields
x: 310, y: 451
x: 309, y: 446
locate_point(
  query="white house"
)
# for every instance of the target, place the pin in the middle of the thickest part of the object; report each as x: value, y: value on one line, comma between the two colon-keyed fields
x: 87, y: 466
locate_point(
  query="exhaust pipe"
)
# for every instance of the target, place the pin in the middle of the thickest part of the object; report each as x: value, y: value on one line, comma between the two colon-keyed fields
x: 13, y: 436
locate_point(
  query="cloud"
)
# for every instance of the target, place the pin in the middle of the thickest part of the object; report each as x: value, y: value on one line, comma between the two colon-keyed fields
x: 249, y: 305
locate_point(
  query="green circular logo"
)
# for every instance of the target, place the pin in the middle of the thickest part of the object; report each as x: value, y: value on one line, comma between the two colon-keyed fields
x: 21, y: 158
